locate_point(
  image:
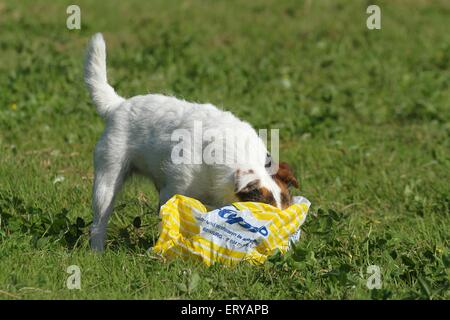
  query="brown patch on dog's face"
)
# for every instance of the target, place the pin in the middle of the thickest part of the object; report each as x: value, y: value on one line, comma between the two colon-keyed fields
x: 254, y: 193
x: 284, y: 178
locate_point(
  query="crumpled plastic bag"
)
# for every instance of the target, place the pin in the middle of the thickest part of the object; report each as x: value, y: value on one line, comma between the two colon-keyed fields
x: 243, y: 231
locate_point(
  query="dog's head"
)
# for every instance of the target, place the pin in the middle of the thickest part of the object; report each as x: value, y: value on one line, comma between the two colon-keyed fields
x: 254, y: 186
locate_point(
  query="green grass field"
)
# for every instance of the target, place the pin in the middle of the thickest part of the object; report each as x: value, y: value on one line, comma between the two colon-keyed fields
x: 364, y: 119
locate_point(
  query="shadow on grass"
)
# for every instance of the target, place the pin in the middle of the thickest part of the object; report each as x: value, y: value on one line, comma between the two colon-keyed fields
x: 72, y: 232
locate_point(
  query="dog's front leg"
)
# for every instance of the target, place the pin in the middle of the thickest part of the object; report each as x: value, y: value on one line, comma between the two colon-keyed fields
x: 164, y: 195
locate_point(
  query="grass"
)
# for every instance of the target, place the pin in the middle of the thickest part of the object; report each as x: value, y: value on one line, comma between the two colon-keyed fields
x: 364, y: 119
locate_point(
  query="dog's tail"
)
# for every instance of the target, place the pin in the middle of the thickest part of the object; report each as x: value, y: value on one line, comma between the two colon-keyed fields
x: 103, y: 95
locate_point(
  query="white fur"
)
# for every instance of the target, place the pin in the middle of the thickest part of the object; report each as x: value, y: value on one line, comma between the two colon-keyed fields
x: 137, y: 138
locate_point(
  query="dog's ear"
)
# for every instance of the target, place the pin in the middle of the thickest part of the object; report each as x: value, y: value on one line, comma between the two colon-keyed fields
x: 286, y: 175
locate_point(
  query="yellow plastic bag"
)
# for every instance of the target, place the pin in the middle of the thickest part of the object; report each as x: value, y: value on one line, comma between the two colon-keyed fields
x: 243, y: 231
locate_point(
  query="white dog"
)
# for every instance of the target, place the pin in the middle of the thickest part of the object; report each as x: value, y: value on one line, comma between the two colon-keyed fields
x: 138, y: 138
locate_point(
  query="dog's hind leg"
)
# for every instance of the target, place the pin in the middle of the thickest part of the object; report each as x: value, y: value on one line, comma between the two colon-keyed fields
x: 111, y: 171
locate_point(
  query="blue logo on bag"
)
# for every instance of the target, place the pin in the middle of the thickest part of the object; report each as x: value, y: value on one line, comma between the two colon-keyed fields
x: 231, y: 217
